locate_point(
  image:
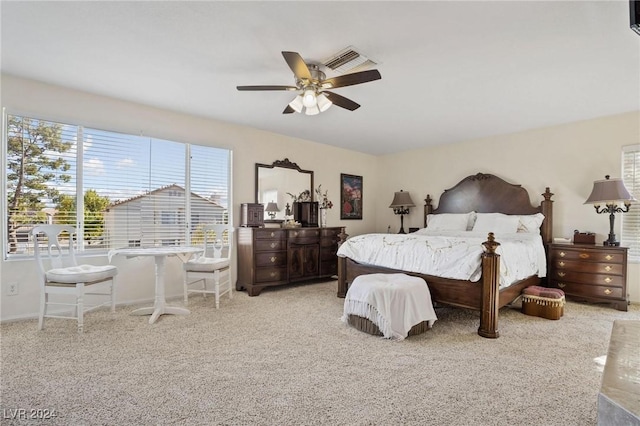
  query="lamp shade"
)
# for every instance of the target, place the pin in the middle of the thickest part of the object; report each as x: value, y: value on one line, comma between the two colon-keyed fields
x: 272, y: 207
x: 402, y: 199
x: 609, y: 191
x: 309, y: 98
x: 296, y: 104
x: 312, y: 110
x: 323, y: 102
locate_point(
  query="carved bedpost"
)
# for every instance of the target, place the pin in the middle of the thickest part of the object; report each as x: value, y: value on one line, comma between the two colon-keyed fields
x: 490, y: 289
x: 342, y: 276
x: 428, y: 209
x: 342, y: 266
x: 547, y: 211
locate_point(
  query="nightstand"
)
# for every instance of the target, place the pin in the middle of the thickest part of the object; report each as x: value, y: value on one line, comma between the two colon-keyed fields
x: 590, y: 273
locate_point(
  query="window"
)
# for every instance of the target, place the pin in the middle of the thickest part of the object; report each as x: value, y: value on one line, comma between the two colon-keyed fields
x: 631, y: 219
x: 135, y: 190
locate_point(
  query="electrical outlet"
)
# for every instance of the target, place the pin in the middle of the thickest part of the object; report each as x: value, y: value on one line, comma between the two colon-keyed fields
x: 12, y: 289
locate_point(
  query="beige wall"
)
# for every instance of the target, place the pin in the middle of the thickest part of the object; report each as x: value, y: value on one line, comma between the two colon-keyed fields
x: 249, y: 146
x: 566, y: 158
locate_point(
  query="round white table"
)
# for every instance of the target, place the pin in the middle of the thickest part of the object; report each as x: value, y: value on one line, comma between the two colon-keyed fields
x: 159, y: 307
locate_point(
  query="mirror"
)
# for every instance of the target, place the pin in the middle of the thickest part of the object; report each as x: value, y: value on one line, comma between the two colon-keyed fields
x: 274, y: 183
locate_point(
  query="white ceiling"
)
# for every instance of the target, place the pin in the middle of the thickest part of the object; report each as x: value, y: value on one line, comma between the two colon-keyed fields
x: 451, y: 71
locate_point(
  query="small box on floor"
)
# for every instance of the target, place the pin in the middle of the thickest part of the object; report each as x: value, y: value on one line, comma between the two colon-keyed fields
x: 543, y: 302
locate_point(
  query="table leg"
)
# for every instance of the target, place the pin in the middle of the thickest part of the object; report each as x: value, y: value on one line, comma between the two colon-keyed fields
x: 160, y: 305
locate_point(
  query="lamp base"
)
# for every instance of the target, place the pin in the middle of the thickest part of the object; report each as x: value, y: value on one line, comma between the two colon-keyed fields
x: 611, y: 243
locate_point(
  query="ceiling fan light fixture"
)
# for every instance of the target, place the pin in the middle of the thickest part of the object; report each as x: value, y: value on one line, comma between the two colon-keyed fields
x: 313, y: 110
x: 323, y: 102
x: 309, y: 98
x: 296, y: 104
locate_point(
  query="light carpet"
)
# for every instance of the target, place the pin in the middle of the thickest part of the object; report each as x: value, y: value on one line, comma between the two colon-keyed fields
x: 285, y: 358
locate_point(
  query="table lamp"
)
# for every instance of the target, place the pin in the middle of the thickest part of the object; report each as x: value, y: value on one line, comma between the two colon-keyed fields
x: 400, y: 205
x: 610, y: 192
x: 272, y: 209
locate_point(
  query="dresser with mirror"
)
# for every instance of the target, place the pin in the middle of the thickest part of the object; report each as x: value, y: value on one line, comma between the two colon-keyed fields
x: 277, y: 255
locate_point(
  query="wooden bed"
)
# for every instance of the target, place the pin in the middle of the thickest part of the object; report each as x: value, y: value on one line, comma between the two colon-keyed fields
x: 483, y: 193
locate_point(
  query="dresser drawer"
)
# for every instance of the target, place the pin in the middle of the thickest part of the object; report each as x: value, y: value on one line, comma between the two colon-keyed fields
x: 587, y: 255
x: 586, y: 278
x: 589, y: 267
x: 264, y: 275
x: 271, y: 259
x: 306, y: 234
x: 596, y: 291
x: 330, y: 232
x: 266, y: 233
x: 270, y: 245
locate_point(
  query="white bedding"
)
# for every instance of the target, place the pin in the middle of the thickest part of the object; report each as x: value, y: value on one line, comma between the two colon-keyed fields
x: 449, y: 254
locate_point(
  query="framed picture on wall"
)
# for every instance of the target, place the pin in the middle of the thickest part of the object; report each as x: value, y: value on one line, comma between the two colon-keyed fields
x: 350, y: 196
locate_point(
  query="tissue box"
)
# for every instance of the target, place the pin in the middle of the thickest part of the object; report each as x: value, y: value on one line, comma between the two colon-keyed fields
x: 584, y: 238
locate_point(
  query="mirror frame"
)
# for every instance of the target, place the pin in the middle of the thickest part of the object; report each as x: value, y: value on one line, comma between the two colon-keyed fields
x: 285, y: 164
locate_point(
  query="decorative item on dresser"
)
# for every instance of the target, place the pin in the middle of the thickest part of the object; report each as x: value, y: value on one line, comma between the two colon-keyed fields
x: 590, y: 273
x: 271, y: 257
x: 271, y: 209
x: 252, y: 215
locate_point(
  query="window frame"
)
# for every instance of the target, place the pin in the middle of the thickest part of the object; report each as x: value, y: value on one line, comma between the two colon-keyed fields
x: 633, y: 255
x: 226, y: 176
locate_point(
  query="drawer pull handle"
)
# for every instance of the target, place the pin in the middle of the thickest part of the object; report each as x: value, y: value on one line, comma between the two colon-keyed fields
x: 561, y: 274
x: 273, y: 259
x: 561, y: 263
x: 608, y: 268
x: 295, y: 234
x: 607, y: 291
x: 607, y: 280
x: 608, y: 257
x: 273, y: 245
x: 561, y: 285
x: 273, y: 234
x: 562, y: 254
x: 273, y: 274
x: 584, y: 255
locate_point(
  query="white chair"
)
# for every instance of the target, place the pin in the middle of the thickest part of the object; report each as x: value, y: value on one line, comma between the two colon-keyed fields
x: 211, y: 264
x: 63, y: 275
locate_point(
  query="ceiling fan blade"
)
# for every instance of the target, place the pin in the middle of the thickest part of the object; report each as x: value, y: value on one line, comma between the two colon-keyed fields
x: 288, y: 110
x: 341, y: 101
x: 297, y: 65
x: 242, y: 88
x: 351, y: 79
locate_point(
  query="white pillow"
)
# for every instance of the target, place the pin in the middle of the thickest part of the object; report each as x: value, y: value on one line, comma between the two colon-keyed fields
x: 530, y: 223
x: 449, y: 221
x: 496, y: 223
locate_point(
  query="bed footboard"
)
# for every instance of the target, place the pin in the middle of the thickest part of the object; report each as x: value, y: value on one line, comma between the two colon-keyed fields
x: 484, y: 298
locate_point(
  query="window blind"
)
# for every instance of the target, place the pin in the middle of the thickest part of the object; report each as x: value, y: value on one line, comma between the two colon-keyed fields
x: 631, y: 220
x: 133, y: 190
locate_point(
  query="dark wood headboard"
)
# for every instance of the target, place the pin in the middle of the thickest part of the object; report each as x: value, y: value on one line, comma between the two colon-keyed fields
x: 487, y: 193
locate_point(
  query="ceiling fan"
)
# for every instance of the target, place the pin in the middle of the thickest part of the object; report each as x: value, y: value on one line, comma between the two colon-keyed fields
x: 312, y: 85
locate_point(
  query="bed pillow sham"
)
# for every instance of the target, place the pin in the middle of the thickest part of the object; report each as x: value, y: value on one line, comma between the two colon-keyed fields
x: 496, y: 223
x: 530, y: 223
x: 450, y: 221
